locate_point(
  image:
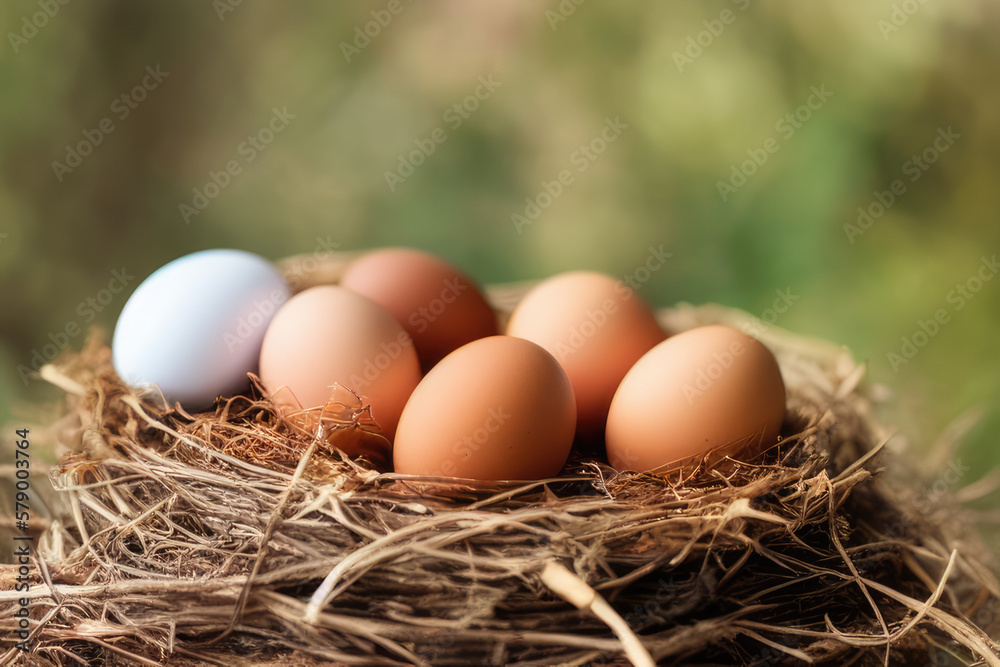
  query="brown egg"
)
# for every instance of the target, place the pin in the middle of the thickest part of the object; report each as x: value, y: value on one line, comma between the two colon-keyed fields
x: 438, y: 305
x: 596, y: 327
x: 497, y: 408
x: 326, y: 335
x: 707, y: 388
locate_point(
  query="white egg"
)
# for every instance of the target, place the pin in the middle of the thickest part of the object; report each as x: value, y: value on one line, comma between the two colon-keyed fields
x: 194, y: 327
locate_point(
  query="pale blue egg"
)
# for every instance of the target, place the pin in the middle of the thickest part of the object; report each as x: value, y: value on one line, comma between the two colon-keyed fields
x: 195, y: 326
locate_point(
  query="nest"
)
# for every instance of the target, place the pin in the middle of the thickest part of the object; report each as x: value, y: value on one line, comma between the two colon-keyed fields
x: 237, y: 537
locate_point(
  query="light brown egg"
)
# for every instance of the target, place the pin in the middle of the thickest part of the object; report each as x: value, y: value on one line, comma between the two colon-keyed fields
x: 498, y: 408
x: 438, y: 305
x: 707, y: 388
x: 326, y: 335
x: 596, y: 327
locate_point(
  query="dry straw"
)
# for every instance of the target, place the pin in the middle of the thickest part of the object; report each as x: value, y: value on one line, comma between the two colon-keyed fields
x: 236, y: 537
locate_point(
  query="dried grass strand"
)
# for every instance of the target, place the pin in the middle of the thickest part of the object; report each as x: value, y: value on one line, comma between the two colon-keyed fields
x: 237, y: 535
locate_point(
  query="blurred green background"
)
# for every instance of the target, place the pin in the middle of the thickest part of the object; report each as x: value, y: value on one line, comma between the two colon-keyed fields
x: 692, y: 90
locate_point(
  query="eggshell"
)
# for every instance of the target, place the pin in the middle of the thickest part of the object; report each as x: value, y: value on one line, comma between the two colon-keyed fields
x: 326, y: 336
x: 194, y: 326
x: 596, y: 327
x: 438, y: 305
x: 707, y: 388
x: 497, y: 408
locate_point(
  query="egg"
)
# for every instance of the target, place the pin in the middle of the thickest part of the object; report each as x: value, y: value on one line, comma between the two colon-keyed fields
x: 709, y: 388
x: 596, y: 327
x: 438, y: 305
x: 194, y: 327
x: 328, y: 337
x: 498, y: 408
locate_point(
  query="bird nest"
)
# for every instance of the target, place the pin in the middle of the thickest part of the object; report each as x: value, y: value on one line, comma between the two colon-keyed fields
x: 236, y: 536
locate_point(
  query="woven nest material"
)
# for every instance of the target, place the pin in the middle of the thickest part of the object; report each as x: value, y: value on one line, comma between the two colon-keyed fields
x: 235, y: 537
